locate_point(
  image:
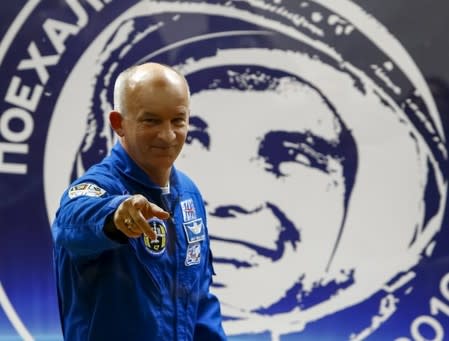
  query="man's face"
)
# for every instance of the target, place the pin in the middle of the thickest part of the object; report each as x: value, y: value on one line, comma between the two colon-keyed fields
x: 155, y: 125
x: 268, y: 222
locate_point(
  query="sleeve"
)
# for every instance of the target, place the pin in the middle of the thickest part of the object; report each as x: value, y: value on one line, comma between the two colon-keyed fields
x: 208, y: 325
x: 81, y: 217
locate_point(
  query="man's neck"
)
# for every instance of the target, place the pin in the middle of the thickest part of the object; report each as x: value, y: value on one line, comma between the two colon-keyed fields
x: 159, y: 177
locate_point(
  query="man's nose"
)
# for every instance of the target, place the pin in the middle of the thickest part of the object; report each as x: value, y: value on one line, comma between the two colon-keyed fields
x: 166, y: 132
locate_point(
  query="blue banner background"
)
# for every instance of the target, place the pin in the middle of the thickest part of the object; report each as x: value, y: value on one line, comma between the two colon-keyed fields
x: 25, y: 256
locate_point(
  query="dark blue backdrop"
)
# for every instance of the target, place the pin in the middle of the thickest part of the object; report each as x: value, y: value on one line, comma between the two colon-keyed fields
x: 28, y: 298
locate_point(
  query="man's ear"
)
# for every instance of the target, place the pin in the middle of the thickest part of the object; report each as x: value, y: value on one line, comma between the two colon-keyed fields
x: 116, y: 120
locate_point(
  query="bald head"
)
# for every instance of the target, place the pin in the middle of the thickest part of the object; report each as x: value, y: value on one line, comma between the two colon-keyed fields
x: 148, y: 77
x: 151, y: 117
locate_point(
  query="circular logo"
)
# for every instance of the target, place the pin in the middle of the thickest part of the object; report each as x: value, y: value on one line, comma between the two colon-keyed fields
x: 324, y: 166
x: 156, y: 246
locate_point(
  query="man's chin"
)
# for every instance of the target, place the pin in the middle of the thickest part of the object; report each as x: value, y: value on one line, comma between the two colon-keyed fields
x: 161, y: 160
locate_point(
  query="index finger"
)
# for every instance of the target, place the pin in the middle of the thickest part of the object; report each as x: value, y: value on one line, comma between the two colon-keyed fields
x: 153, y: 210
x: 141, y: 223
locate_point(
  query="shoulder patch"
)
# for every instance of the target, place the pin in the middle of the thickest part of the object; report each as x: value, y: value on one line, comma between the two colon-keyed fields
x: 86, y: 189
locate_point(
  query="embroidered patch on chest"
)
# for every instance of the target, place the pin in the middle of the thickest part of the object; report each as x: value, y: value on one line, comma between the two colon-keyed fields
x: 85, y: 189
x: 157, y: 246
x: 193, y: 255
x: 188, y: 210
x: 194, y: 230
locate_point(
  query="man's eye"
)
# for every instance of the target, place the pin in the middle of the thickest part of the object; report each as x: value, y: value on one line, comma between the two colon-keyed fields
x: 199, y: 136
x: 150, y: 120
x: 198, y: 132
x: 277, y: 148
x: 179, y: 122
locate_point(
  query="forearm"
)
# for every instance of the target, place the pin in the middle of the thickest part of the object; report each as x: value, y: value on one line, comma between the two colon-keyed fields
x: 80, y: 225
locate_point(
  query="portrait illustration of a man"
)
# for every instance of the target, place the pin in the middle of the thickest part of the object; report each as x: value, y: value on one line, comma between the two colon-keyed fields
x: 316, y: 162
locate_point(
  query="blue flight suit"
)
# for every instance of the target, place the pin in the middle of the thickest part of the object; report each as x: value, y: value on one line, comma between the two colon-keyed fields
x: 115, y: 288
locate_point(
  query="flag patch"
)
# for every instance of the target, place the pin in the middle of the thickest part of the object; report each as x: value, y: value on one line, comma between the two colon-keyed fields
x: 188, y: 210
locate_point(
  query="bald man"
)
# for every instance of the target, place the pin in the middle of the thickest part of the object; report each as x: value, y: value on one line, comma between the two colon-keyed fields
x: 131, y: 244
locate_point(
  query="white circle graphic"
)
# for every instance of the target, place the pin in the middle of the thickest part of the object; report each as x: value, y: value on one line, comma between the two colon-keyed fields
x: 293, y: 213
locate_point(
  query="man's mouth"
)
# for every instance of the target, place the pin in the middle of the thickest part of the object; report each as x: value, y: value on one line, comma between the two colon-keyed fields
x: 246, y: 248
x: 165, y: 148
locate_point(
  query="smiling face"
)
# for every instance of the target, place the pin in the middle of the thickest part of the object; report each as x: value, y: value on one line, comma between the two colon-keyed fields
x: 154, y: 101
x: 272, y: 195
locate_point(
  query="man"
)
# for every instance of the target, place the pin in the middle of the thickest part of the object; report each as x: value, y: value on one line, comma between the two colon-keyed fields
x: 131, y: 245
